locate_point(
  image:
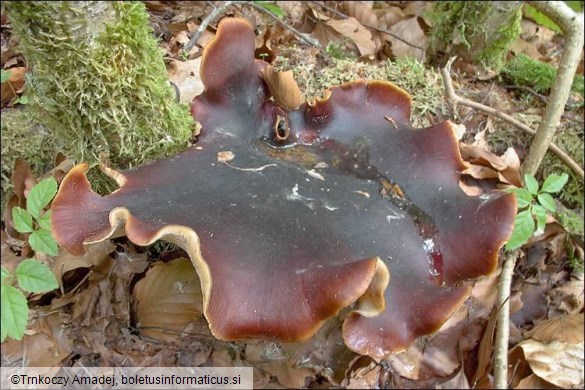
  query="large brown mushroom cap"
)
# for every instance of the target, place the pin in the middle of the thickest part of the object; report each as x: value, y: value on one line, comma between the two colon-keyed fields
x: 289, y: 216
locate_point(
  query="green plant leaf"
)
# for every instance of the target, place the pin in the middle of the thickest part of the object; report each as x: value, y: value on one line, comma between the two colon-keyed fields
x: 5, y: 274
x: 539, y: 213
x: 45, y: 221
x: 22, y: 220
x: 23, y: 99
x: 14, y: 313
x: 547, y: 201
x: 554, y: 183
x: 276, y: 10
x: 40, y: 196
x: 5, y: 75
x: 523, y: 230
x: 42, y: 241
x: 531, y: 184
x: 35, y: 277
x: 523, y: 196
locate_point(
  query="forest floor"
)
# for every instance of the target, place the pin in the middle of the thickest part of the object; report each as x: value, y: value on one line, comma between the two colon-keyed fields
x: 94, y: 320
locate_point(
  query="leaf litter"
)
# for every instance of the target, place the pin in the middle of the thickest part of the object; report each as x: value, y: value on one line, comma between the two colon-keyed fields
x: 108, y: 310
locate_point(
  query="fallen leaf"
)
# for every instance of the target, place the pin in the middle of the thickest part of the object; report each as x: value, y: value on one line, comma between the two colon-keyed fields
x: 185, y: 75
x: 408, y: 30
x: 358, y: 34
x: 558, y: 362
x: 568, y: 329
x: 168, y: 299
x: 283, y: 87
x: 14, y: 84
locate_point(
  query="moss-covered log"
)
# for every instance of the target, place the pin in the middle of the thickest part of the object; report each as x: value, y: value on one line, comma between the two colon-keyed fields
x: 477, y: 31
x: 97, y: 80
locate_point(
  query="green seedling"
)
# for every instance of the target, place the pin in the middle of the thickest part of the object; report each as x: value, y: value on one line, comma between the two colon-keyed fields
x: 534, y: 204
x: 30, y: 275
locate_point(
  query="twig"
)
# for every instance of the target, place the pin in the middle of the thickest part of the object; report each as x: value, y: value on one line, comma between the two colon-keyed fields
x: 283, y: 24
x: 455, y: 99
x: 503, y: 325
x: 345, y: 16
x: 209, y: 19
x: 572, y: 25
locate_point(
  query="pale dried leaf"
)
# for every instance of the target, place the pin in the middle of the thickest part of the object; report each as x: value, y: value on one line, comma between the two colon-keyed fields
x: 568, y: 329
x: 535, y: 382
x: 185, y: 75
x: 283, y: 87
x: 168, y: 299
x: 558, y: 363
x: 15, y: 83
x: 358, y: 34
x: 410, y: 31
x: 361, y: 12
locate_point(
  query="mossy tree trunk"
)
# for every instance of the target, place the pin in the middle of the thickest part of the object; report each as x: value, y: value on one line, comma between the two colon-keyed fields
x: 476, y: 31
x: 97, y: 80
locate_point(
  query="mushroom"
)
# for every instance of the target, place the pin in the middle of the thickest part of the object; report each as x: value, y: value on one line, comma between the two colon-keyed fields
x: 288, y: 216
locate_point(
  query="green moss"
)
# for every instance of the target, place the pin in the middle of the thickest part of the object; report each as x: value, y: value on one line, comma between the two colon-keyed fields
x: 423, y: 84
x: 25, y: 139
x: 100, y: 95
x: 477, y: 31
x: 539, y: 76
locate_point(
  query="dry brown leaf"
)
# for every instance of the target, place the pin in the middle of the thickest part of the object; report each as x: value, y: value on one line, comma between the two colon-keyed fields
x: 558, y: 363
x: 95, y: 256
x: 168, y: 299
x: 479, y: 172
x: 185, y: 75
x: 283, y: 88
x: 13, y: 85
x: 535, y: 382
x: 410, y: 31
x: 458, y: 381
x: 569, y: 297
x: 358, y: 34
x: 361, y: 12
x: 390, y: 16
x: 568, y: 329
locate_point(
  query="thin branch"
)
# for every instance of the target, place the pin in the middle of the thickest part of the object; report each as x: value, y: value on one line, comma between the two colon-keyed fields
x: 345, y: 16
x: 283, y: 24
x: 209, y: 19
x: 572, y: 25
x: 503, y: 325
x: 455, y: 99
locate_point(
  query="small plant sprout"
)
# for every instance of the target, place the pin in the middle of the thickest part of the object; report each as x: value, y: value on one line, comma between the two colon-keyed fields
x: 534, y: 202
x: 30, y: 275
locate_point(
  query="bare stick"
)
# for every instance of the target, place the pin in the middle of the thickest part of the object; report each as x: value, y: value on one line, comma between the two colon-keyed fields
x: 503, y: 325
x: 209, y: 19
x: 455, y: 99
x: 572, y: 25
x: 283, y: 24
x: 344, y: 16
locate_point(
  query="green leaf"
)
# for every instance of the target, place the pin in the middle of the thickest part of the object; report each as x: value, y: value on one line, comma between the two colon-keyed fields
x: 554, y: 183
x: 14, y: 313
x: 5, y: 75
x: 523, y: 197
x: 539, y: 213
x: 547, y: 201
x: 35, y: 277
x: 42, y: 241
x: 276, y: 10
x: 531, y: 184
x: 5, y: 274
x: 23, y: 99
x: 22, y: 220
x: 40, y: 196
x: 45, y: 221
x: 523, y: 230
